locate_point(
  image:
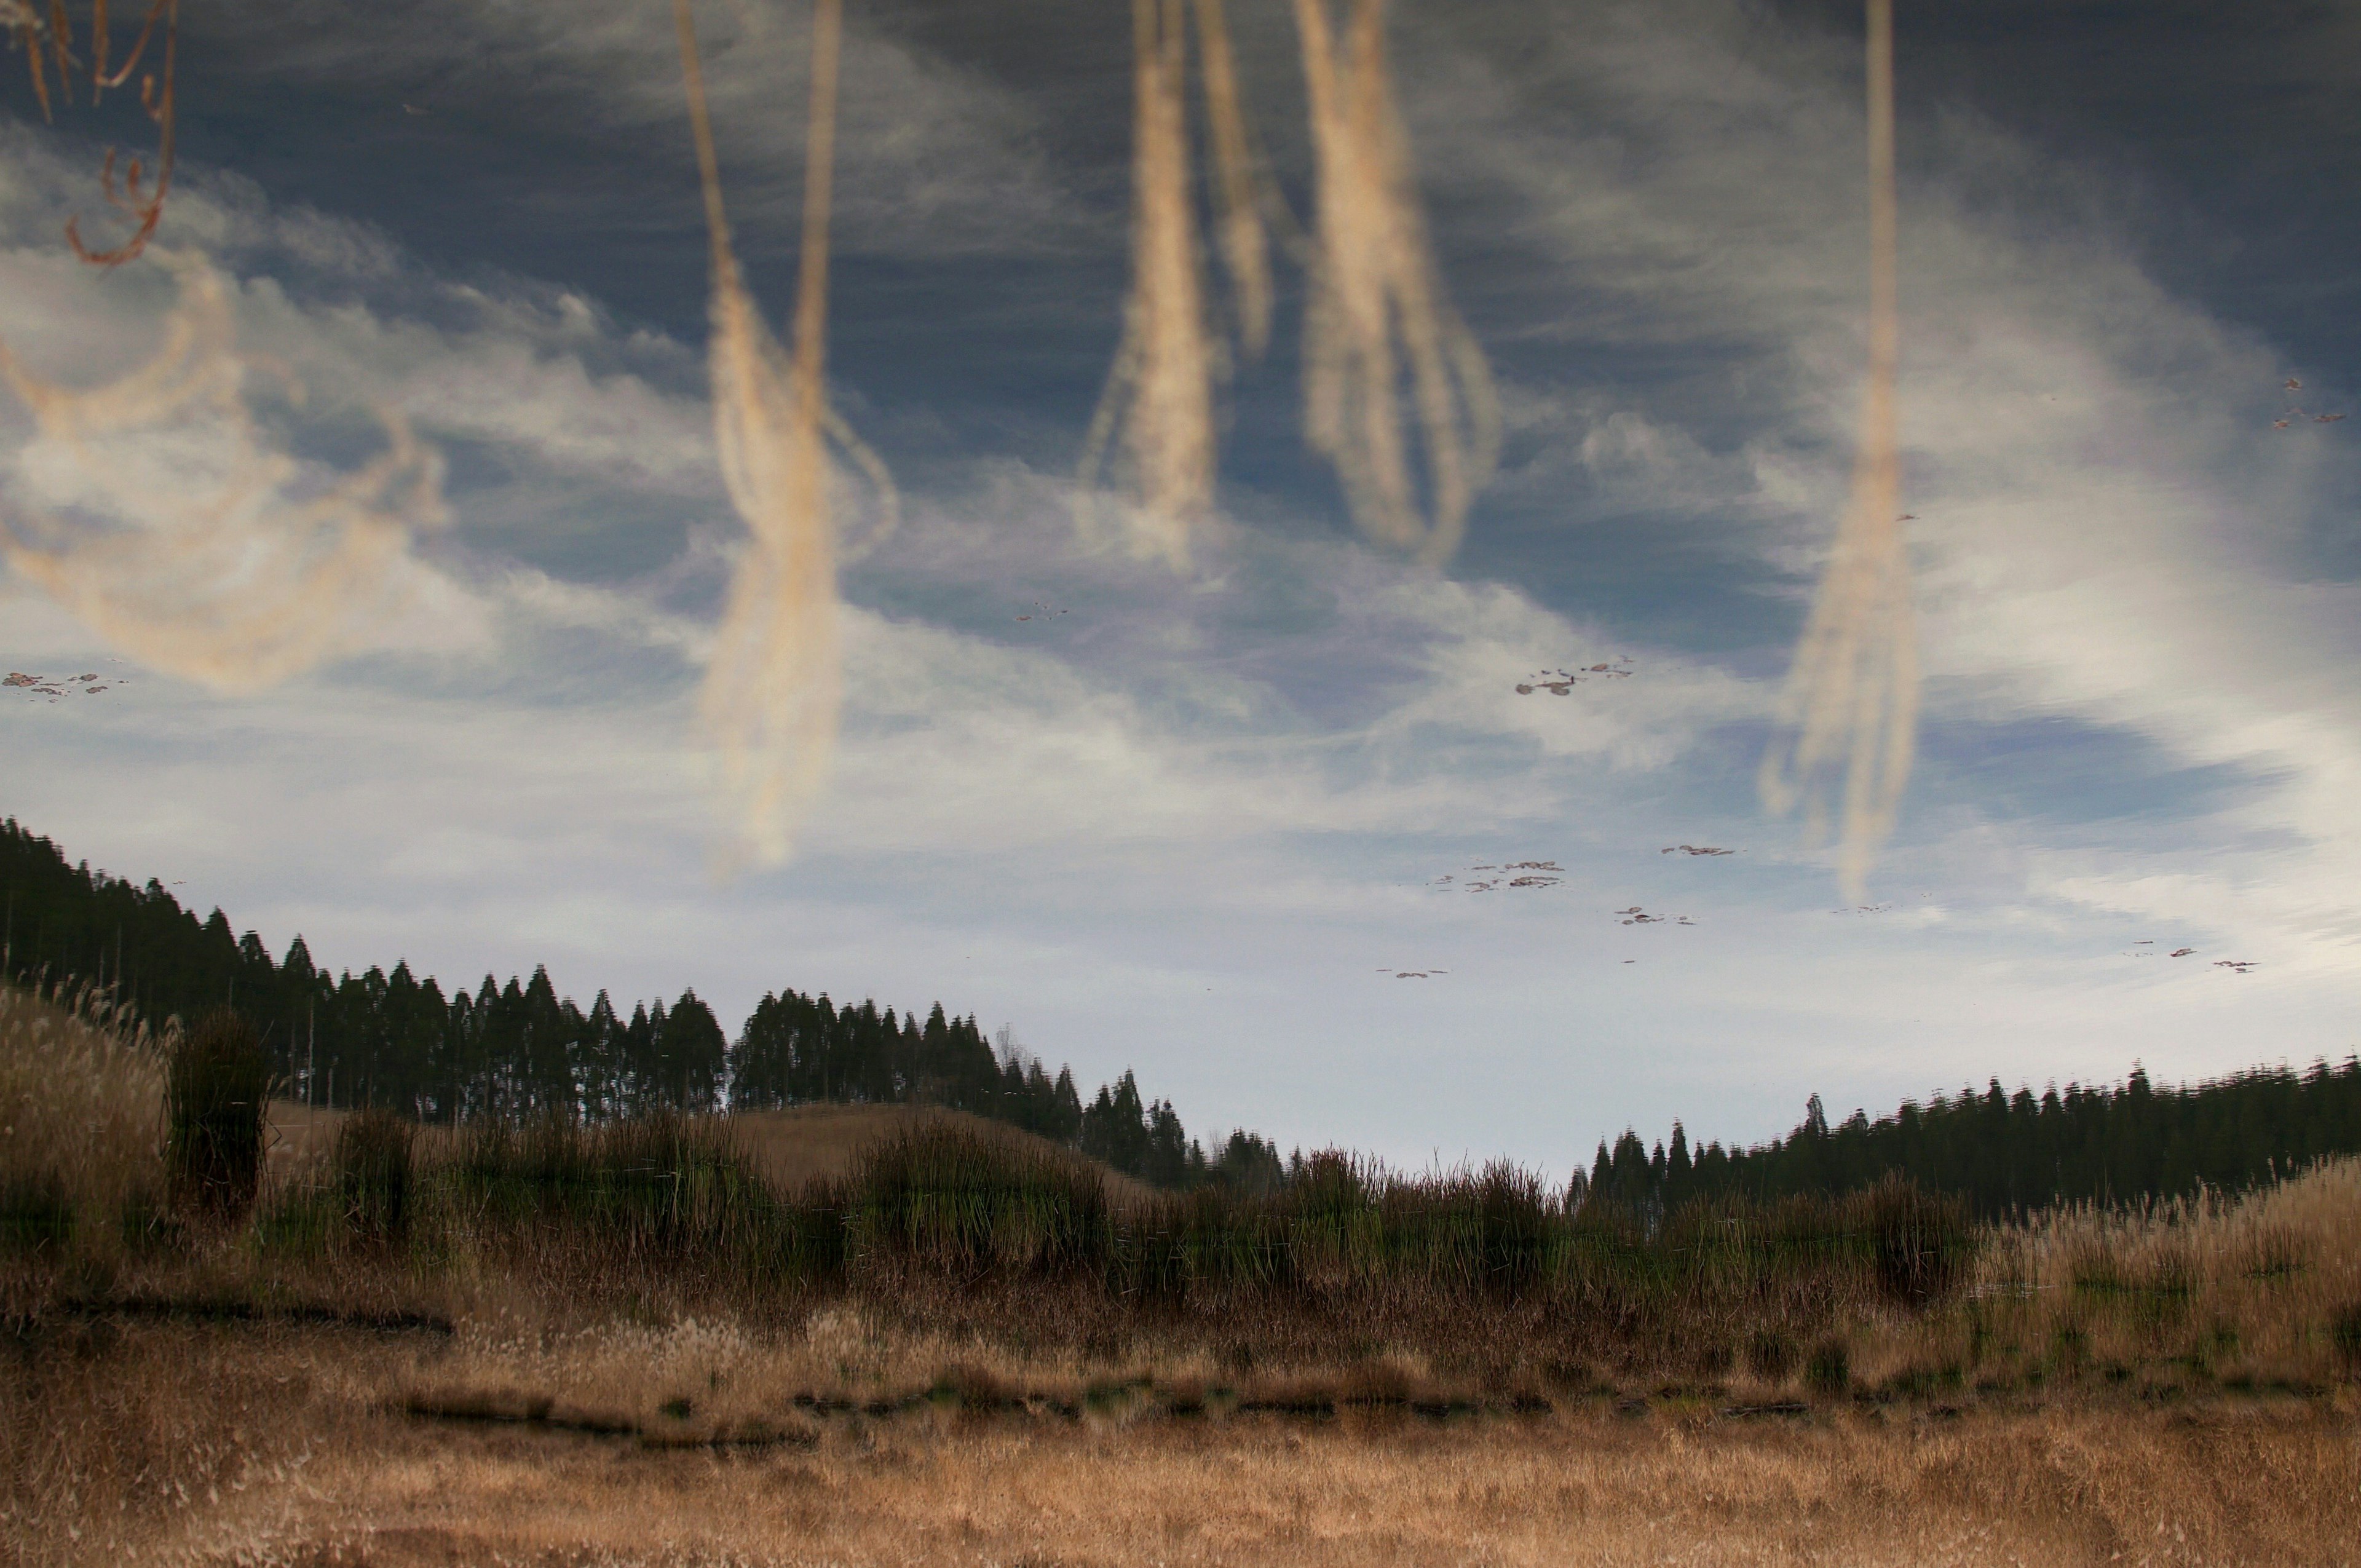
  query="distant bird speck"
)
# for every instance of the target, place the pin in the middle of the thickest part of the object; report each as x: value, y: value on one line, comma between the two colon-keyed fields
x: 1561, y: 682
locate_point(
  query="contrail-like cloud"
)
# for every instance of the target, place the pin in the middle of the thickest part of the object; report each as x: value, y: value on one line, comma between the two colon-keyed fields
x: 774, y: 691
x: 1851, y: 699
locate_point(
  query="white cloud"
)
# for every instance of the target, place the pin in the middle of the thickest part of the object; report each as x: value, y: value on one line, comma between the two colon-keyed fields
x: 1179, y: 826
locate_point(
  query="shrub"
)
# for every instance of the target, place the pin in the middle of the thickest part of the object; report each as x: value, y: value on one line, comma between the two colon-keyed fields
x: 372, y: 1160
x: 1771, y: 1354
x: 1922, y: 1242
x: 1829, y: 1370
x: 2344, y: 1333
x: 216, y: 1092
x: 953, y: 1198
x: 36, y: 1214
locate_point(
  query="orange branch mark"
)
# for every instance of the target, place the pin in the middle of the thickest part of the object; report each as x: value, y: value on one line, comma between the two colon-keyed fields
x: 146, y: 208
x: 53, y: 36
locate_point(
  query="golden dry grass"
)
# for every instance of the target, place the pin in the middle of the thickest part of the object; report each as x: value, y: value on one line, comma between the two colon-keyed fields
x: 791, y: 1147
x: 2163, y: 1386
x: 177, y: 1443
x: 2239, y: 1290
x: 297, y: 1135
x: 81, y: 1102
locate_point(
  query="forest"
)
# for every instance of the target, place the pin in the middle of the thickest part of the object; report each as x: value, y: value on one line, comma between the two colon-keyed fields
x: 388, y: 1038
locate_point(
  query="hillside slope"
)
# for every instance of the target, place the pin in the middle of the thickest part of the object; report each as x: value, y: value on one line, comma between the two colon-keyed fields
x: 790, y: 1146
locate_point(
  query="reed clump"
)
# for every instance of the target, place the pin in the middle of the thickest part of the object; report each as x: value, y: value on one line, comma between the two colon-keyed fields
x: 217, y: 1087
x: 81, y: 1147
x: 962, y: 1201
x: 373, y: 1157
x: 655, y: 1193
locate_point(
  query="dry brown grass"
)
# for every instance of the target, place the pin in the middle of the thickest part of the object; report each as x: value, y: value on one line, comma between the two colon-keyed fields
x: 80, y: 1106
x: 179, y: 1443
x: 2161, y: 1386
x: 795, y: 1146
x: 298, y: 1136
x: 2241, y: 1289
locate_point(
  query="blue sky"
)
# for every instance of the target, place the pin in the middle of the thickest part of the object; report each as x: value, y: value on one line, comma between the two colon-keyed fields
x: 1183, y: 826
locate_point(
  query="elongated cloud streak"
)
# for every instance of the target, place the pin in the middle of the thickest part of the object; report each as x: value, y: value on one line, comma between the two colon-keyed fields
x: 1160, y: 391
x: 1246, y: 249
x: 1379, y: 306
x: 773, y: 693
x: 156, y: 512
x: 1852, y: 695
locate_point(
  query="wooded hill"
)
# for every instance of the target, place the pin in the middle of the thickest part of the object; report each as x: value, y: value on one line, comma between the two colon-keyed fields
x: 2008, y: 1153
x: 390, y: 1038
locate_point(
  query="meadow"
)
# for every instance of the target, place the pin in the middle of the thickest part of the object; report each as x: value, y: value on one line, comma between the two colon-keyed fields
x: 815, y: 1336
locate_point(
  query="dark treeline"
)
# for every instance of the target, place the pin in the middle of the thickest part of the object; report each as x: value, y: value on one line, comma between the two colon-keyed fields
x: 2007, y: 1154
x: 520, y: 1049
x: 515, y: 1051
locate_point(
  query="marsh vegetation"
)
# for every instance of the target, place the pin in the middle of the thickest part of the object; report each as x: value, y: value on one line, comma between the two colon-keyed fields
x: 994, y: 1309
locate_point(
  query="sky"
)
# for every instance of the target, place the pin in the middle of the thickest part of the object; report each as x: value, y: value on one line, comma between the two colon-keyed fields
x: 1195, y: 823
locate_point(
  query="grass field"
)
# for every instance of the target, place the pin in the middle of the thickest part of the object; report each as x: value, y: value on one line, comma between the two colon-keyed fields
x: 895, y: 1336
x: 159, y: 1441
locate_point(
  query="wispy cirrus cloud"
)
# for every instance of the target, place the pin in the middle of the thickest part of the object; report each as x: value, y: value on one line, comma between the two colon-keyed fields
x: 1179, y: 826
